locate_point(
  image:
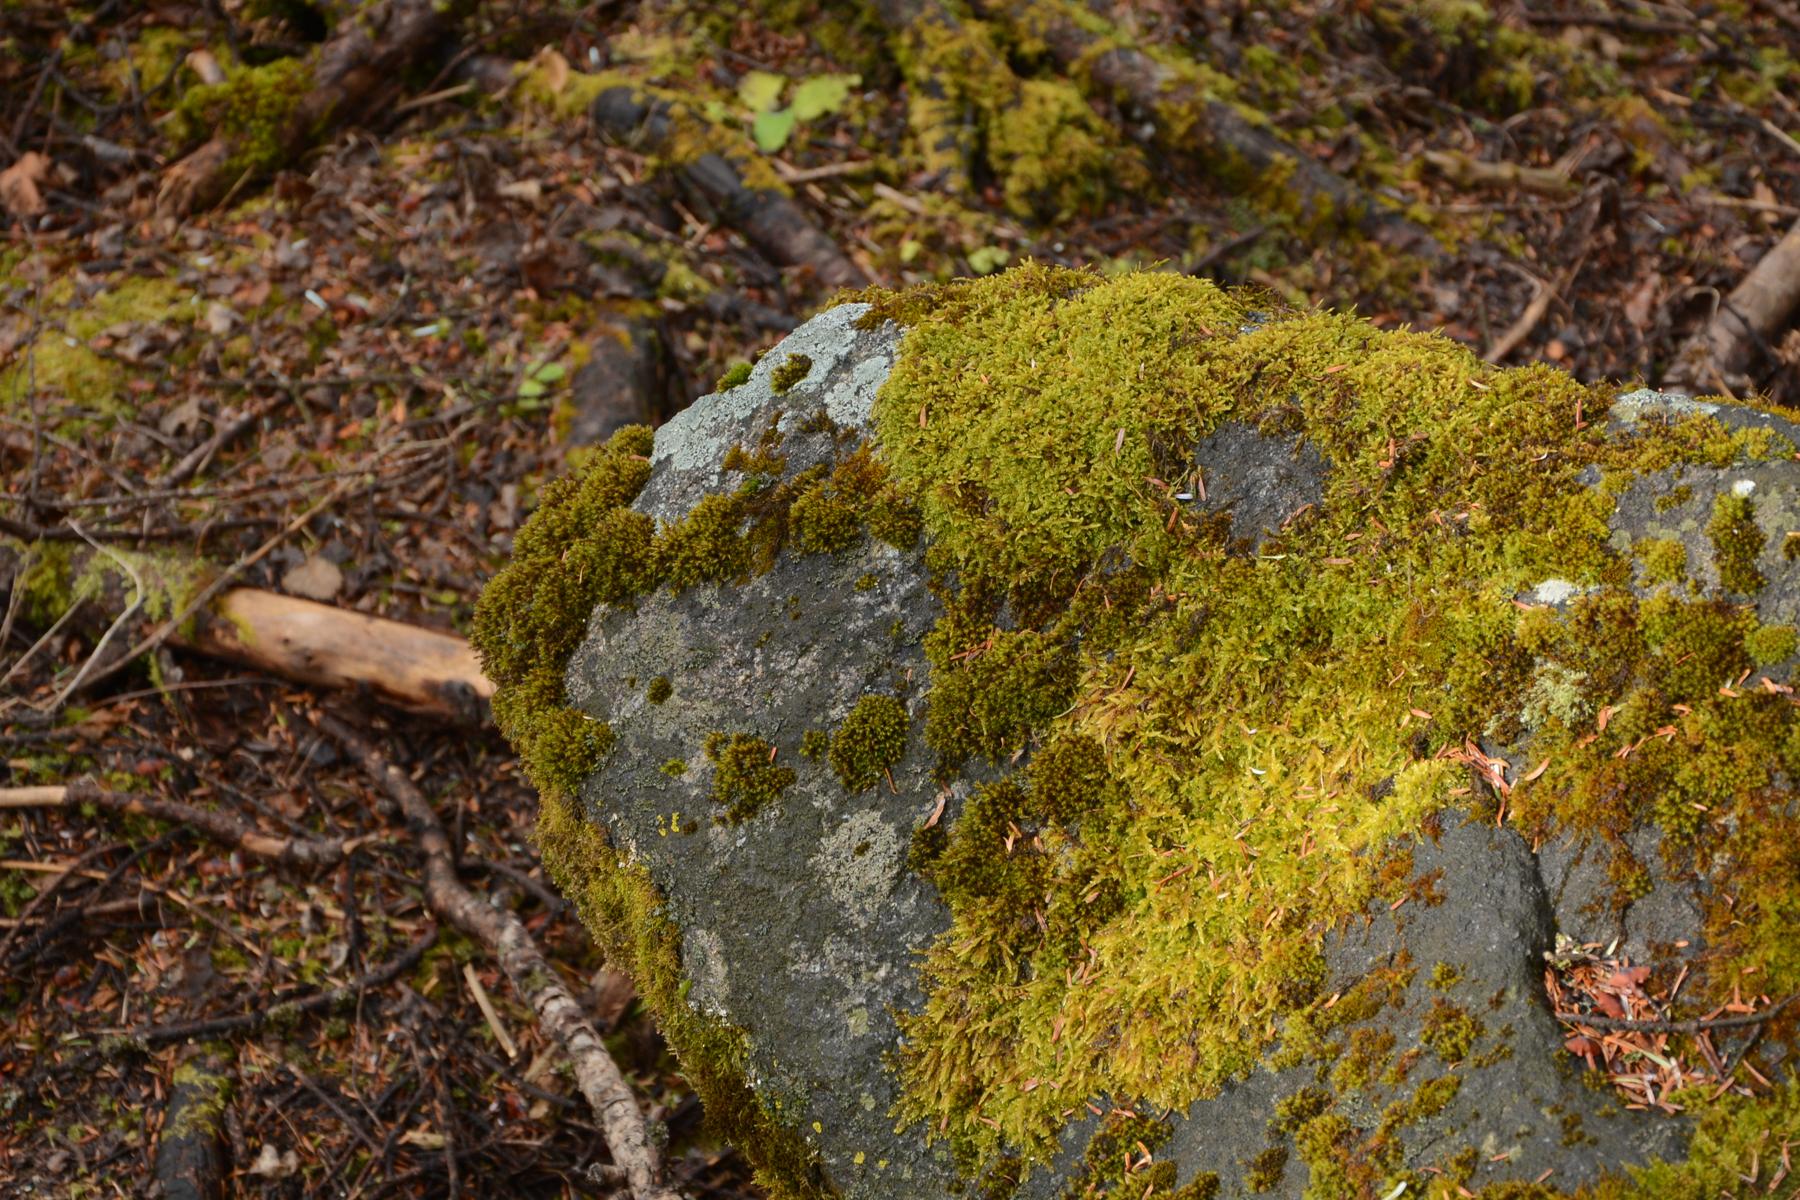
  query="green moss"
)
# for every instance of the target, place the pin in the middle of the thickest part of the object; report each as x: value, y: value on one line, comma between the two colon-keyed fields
x: 675, y: 768
x: 1449, y: 1031
x: 1737, y: 540
x: 256, y: 109
x: 792, y: 370
x: 1664, y: 560
x: 1674, y: 498
x: 660, y: 690
x: 1770, y: 645
x: 871, y: 739
x: 1444, y: 976
x: 208, y: 1092
x: 1265, y: 1172
x: 735, y: 375
x: 745, y: 777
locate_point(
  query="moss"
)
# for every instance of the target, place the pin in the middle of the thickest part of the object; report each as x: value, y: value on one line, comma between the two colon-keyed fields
x: 674, y: 768
x: 206, y: 1093
x: 1674, y: 498
x: 815, y: 744
x: 1737, y: 540
x: 745, y: 777
x: 1265, y: 1172
x: 1449, y: 1031
x: 1444, y: 976
x: 1664, y: 560
x: 1116, y: 1155
x: 660, y: 690
x: 1166, y: 722
x: 69, y: 361
x: 736, y: 375
x: 1770, y: 645
x: 255, y: 109
x: 792, y: 370
x: 871, y: 739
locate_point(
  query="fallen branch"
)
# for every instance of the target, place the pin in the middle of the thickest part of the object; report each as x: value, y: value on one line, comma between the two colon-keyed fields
x: 220, y: 826
x: 358, y: 68
x: 1468, y: 172
x: 1747, y: 322
x: 505, y: 936
x: 778, y: 228
x: 190, y: 1150
x: 1698, y: 1025
x: 420, y: 670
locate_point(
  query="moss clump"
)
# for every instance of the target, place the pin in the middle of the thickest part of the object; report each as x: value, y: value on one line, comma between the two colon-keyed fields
x: 792, y: 370
x: 674, y: 768
x: 745, y: 777
x: 255, y: 109
x: 1664, y: 560
x: 815, y: 744
x: 1444, y: 976
x: 736, y: 375
x: 1769, y: 645
x: 660, y: 690
x: 1449, y: 1031
x: 1264, y: 1172
x: 1737, y: 540
x: 871, y: 739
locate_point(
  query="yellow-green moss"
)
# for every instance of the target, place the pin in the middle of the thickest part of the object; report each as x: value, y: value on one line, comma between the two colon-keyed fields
x: 660, y: 689
x: 1664, y: 559
x: 746, y: 778
x: 736, y: 375
x: 792, y: 370
x: 1737, y: 540
x: 871, y: 739
x: 255, y: 109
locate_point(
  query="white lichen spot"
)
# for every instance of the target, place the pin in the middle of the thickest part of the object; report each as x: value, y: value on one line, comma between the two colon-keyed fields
x: 703, y: 960
x: 1555, y: 592
x: 1743, y: 487
x: 859, y: 861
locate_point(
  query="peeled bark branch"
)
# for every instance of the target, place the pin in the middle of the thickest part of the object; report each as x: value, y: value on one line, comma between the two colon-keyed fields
x: 598, y: 1077
x: 420, y: 670
x: 1723, y: 354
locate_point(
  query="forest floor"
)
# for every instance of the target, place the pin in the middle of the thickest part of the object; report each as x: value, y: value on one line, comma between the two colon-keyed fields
x: 348, y: 373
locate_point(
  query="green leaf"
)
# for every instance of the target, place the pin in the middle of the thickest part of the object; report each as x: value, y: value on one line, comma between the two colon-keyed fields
x: 548, y: 372
x: 531, y: 389
x: 988, y: 259
x: 822, y: 94
x: 771, y: 129
x: 760, y: 90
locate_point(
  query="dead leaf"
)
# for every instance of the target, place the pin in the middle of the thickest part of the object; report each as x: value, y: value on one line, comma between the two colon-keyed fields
x: 19, y: 184
x: 181, y: 419
x: 203, y: 64
x: 315, y: 579
x: 552, y: 70
x: 275, y: 1164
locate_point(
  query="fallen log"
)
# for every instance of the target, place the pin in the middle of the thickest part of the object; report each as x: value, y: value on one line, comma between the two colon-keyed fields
x: 1724, y: 353
x: 420, y: 670
x: 263, y: 117
x: 777, y: 227
x: 1175, y: 111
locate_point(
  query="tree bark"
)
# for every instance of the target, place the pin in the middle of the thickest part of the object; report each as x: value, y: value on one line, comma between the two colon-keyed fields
x: 1724, y: 353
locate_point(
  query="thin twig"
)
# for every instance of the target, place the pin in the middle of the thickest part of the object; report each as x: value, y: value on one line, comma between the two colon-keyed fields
x: 1699, y: 1025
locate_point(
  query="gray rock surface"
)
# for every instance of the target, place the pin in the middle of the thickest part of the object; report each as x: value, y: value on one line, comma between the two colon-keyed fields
x: 803, y: 928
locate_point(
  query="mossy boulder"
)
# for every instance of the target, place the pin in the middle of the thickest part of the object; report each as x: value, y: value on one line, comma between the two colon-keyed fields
x: 1113, y: 736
